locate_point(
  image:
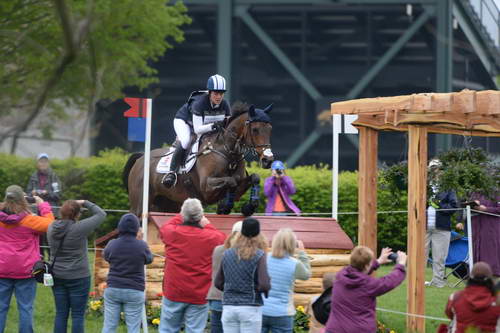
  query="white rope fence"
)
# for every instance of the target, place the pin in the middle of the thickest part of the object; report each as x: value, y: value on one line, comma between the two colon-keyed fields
x: 412, y: 314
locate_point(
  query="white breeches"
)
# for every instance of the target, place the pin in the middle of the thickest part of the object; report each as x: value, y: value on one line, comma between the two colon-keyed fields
x: 183, y: 132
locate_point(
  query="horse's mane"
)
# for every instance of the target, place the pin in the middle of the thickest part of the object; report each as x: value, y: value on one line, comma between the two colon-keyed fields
x: 237, y: 109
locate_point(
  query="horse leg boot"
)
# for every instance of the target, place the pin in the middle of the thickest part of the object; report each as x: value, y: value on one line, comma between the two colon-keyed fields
x: 224, y: 207
x: 170, y: 179
x: 250, y: 207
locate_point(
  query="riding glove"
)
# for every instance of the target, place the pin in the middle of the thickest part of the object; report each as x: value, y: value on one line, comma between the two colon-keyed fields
x: 217, y: 126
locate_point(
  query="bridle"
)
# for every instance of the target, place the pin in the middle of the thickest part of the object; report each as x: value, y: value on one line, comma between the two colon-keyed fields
x: 248, y: 129
x: 241, y: 148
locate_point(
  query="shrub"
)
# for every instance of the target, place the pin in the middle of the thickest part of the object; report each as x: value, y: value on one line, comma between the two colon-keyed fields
x: 98, y: 179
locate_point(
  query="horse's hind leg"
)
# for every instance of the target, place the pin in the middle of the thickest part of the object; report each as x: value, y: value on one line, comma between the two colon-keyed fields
x: 253, y: 182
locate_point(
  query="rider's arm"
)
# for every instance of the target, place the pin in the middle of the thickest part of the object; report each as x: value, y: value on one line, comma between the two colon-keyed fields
x: 198, y: 126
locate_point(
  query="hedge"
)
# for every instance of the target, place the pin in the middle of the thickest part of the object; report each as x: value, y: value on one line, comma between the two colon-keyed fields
x: 99, y: 179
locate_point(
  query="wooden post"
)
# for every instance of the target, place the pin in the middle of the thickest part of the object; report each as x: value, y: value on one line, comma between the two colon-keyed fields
x: 367, y: 188
x: 417, y: 197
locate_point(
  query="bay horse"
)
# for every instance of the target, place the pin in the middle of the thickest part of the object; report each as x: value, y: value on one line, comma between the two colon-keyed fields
x: 218, y: 175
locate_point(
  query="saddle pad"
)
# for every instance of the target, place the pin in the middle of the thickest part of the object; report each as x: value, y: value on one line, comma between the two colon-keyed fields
x: 163, y: 165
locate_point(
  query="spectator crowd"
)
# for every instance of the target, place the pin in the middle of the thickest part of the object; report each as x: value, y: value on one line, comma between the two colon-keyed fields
x: 237, y: 280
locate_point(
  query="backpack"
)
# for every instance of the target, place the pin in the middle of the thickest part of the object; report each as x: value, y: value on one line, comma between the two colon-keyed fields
x: 321, y: 306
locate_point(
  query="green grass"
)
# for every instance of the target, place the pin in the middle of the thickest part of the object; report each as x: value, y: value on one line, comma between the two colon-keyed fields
x: 435, y: 302
x: 45, y: 312
x: 395, y: 300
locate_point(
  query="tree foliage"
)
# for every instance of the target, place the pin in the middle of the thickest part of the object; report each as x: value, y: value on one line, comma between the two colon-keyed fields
x: 465, y: 171
x: 61, y: 53
x: 98, y: 179
x: 469, y: 171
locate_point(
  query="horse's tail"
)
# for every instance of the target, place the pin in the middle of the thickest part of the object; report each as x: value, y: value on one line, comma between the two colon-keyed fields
x: 128, y: 166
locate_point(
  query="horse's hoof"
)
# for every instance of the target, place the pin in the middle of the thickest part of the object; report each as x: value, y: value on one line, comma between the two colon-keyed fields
x: 247, y: 209
x: 223, y: 209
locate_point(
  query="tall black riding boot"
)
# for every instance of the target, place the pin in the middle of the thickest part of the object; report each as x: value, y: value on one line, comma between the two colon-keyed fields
x: 170, y: 178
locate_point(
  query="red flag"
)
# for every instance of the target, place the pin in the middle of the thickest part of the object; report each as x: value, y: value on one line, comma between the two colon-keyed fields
x: 138, y: 107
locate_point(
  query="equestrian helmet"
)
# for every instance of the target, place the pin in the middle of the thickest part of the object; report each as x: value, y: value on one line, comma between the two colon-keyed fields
x: 277, y: 165
x: 216, y: 83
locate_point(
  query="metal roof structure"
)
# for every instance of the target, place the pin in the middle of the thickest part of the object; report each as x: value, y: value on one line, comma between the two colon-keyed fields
x: 302, y: 55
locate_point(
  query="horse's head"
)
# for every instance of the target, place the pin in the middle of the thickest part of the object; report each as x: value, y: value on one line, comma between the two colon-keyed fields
x: 259, y: 134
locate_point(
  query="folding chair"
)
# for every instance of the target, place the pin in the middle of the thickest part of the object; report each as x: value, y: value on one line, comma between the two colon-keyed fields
x: 458, y: 258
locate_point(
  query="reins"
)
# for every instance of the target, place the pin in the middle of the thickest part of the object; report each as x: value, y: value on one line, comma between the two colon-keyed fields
x: 241, y: 149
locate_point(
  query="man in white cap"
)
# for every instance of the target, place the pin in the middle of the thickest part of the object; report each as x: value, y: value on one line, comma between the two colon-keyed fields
x: 44, y: 182
x: 438, y: 224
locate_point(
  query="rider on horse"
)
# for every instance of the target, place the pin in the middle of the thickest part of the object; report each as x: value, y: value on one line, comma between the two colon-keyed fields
x: 205, y: 111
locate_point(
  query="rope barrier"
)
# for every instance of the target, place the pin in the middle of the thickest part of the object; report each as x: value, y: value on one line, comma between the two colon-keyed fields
x: 98, y: 249
x: 482, y: 212
x: 412, y: 314
x: 312, y: 213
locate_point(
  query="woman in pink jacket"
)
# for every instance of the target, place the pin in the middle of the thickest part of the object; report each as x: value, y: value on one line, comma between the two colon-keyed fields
x: 19, y: 250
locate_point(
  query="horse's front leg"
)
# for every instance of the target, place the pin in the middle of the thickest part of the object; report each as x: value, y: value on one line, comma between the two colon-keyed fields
x: 219, y: 183
x: 226, y: 185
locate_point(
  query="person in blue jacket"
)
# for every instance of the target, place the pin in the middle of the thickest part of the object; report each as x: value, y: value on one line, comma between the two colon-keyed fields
x: 205, y: 111
x: 127, y: 256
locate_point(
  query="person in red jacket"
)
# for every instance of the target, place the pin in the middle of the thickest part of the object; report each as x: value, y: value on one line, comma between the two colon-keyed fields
x: 475, y: 307
x: 189, y: 240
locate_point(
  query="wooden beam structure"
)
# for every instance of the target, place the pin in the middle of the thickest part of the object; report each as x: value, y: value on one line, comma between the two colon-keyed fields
x: 466, y: 112
x: 417, y: 197
x: 471, y: 113
x: 367, y: 188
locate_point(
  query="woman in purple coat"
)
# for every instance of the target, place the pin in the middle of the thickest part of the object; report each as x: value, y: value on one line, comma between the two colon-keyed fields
x: 355, y: 291
x: 278, y: 188
x: 486, y: 232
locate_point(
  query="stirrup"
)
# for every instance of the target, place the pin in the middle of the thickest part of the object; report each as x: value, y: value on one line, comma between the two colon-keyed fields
x: 167, y: 182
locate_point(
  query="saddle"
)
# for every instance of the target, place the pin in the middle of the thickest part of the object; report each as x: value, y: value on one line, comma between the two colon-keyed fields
x: 165, y: 155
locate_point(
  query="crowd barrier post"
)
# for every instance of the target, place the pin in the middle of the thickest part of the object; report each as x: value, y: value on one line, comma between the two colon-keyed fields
x: 469, y: 243
x: 145, y: 194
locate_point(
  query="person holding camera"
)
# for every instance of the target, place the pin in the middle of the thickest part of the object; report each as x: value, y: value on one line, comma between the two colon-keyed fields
x: 278, y: 188
x: 486, y: 231
x: 19, y: 243
x: 127, y: 256
x: 44, y: 181
x: 68, y: 238
x: 45, y: 184
x: 355, y: 291
x: 283, y: 269
x: 190, y: 240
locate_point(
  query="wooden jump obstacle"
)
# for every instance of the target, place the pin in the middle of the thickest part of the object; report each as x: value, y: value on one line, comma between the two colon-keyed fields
x: 470, y: 113
x: 326, y: 244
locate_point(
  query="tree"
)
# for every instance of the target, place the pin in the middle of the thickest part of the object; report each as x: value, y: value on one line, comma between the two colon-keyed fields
x: 60, y: 53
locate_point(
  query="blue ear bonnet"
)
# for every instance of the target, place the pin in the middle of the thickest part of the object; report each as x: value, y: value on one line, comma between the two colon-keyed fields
x: 259, y: 115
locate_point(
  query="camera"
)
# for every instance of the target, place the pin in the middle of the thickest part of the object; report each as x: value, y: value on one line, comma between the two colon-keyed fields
x: 30, y: 200
x: 279, y: 172
x: 393, y: 257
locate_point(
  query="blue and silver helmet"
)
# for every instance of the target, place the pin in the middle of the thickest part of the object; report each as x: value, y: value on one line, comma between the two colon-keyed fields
x: 277, y: 165
x: 217, y: 83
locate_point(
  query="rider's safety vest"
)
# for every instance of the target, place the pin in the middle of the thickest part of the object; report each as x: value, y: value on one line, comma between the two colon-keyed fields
x: 199, y: 104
